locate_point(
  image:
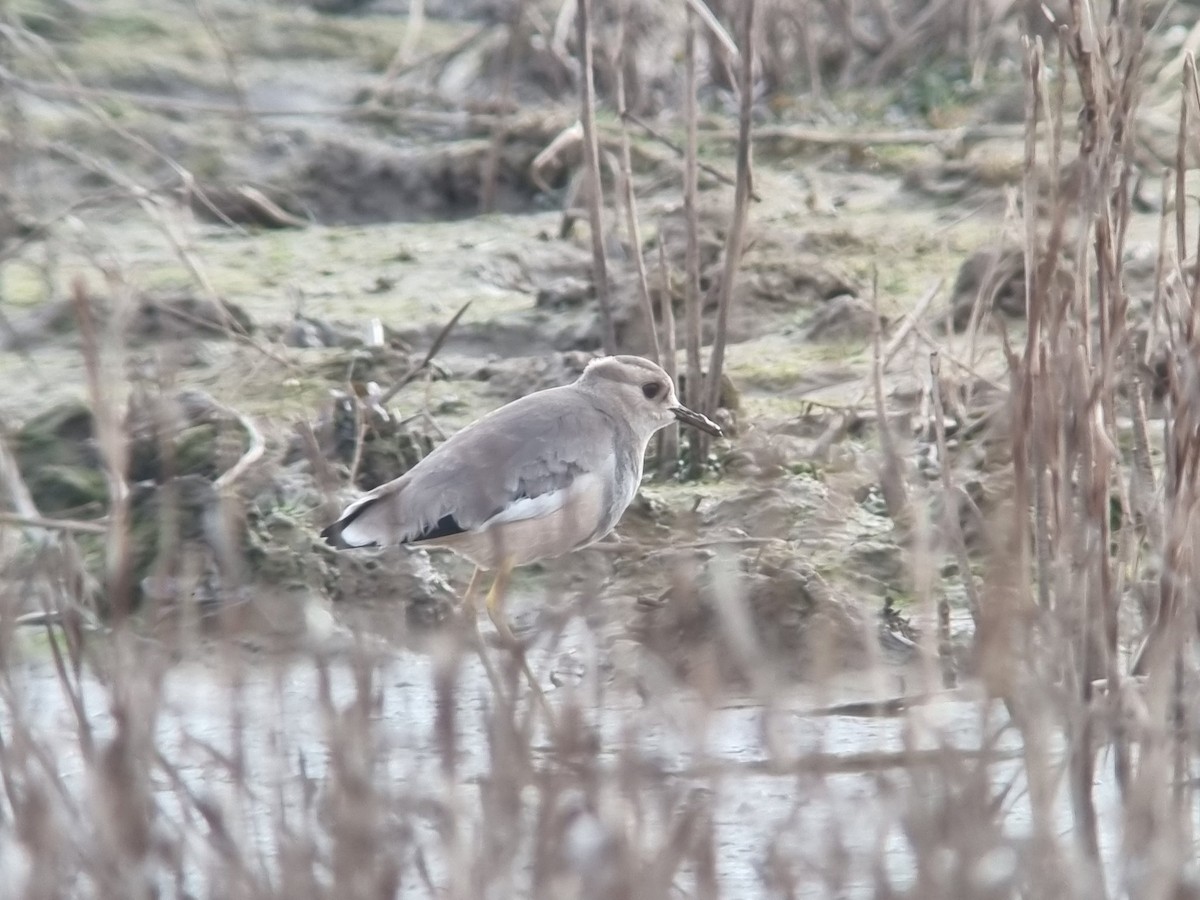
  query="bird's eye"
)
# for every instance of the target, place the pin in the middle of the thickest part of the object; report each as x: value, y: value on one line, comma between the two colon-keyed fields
x: 650, y: 389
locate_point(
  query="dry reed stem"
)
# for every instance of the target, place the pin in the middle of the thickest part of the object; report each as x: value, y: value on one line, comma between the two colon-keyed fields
x: 490, y: 167
x: 668, y: 455
x: 951, y: 525
x: 1181, y: 168
x: 714, y: 26
x: 1027, y: 468
x: 891, y: 478
x: 18, y: 492
x: 591, y: 163
x: 741, y: 204
x: 693, y: 300
x: 812, y: 54
x: 412, y: 33
x: 113, y: 444
x: 630, y: 198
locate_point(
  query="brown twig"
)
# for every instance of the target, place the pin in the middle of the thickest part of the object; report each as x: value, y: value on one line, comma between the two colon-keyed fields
x: 898, y: 338
x: 80, y: 93
x: 69, y: 525
x: 254, y: 452
x: 433, y: 351
x: 360, y: 440
x: 400, y: 64
x: 681, y: 152
x: 944, y: 138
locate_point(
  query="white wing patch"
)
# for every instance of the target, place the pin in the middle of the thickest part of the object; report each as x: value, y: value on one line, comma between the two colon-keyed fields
x: 363, y: 531
x: 357, y: 535
x: 543, y: 505
x: 529, y: 508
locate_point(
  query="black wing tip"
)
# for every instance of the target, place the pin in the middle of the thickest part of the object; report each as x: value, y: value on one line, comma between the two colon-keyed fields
x: 446, y: 526
x: 333, y: 537
x: 332, y: 534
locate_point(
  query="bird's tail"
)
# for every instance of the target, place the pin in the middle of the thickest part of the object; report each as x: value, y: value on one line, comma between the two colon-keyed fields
x: 361, y: 524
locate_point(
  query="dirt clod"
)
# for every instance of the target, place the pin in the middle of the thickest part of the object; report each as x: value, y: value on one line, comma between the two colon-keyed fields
x: 798, y: 623
x: 844, y: 317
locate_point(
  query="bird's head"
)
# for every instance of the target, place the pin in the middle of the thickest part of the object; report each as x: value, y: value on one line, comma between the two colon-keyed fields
x: 643, y: 393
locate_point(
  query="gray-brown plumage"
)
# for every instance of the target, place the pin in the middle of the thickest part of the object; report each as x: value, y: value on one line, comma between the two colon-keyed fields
x: 535, y: 479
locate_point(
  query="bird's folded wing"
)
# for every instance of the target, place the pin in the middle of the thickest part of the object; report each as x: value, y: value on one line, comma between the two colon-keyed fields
x: 506, y: 475
x: 521, y: 462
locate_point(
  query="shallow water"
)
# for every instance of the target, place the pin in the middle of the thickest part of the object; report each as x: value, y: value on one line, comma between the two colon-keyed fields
x: 763, y: 772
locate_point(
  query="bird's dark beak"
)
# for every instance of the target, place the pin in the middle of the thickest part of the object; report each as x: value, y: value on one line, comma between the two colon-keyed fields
x: 693, y: 418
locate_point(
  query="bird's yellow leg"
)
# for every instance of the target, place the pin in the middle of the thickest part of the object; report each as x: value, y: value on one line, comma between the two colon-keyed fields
x: 469, y: 614
x: 495, y: 599
x: 468, y: 599
x: 495, y: 608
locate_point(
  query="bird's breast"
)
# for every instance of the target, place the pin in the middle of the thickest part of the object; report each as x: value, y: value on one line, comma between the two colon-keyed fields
x: 625, y: 481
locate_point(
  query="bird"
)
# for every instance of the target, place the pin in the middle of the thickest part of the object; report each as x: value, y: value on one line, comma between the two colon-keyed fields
x: 542, y: 476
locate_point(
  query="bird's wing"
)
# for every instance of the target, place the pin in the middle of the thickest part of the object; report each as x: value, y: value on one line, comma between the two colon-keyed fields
x: 522, y: 461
